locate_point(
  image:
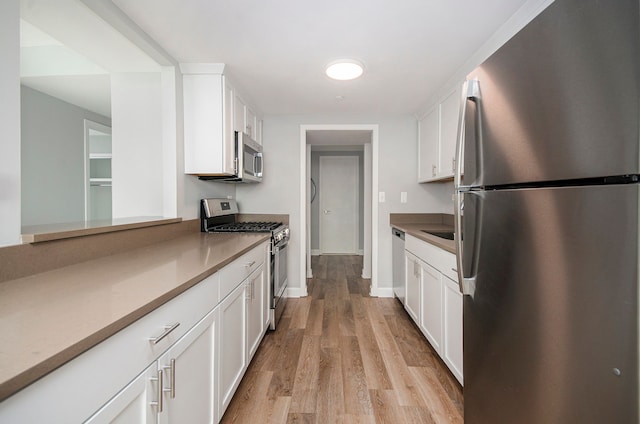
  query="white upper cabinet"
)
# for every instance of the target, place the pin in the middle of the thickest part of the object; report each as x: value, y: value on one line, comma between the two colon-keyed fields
x: 245, y: 119
x: 449, y: 116
x: 213, y: 111
x: 428, y: 145
x: 438, y: 132
x: 250, y: 123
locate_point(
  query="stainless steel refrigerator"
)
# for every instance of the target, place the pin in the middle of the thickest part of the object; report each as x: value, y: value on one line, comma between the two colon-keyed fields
x: 548, y: 211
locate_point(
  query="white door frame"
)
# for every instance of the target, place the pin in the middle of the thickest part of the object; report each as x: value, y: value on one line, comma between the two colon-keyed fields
x: 356, y: 211
x: 370, y: 263
x: 88, y: 126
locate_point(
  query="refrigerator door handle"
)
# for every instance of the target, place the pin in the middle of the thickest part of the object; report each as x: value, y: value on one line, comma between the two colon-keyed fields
x: 470, y: 91
x: 457, y: 170
x: 467, y: 285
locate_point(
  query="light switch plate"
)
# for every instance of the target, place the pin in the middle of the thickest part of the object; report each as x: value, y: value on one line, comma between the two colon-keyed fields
x: 403, y: 197
x: 381, y: 197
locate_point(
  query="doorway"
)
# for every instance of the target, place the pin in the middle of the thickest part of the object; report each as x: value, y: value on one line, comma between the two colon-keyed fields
x: 337, y: 137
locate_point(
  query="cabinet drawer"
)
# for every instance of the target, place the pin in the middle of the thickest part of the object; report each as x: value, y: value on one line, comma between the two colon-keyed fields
x: 440, y: 259
x: 77, y: 389
x: 237, y: 271
x: 449, y: 265
x: 425, y: 251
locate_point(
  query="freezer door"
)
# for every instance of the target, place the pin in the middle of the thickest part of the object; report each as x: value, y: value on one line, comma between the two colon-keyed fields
x: 559, y: 100
x: 551, y: 331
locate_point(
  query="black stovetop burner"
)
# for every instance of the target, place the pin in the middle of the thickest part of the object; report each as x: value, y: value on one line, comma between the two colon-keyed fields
x: 245, y: 227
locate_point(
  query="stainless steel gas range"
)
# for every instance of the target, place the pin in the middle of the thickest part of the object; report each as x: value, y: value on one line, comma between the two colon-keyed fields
x: 221, y: 216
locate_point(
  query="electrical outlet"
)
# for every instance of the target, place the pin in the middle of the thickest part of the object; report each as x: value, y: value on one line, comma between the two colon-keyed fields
x: 381, y: 197
x: 403, y: 197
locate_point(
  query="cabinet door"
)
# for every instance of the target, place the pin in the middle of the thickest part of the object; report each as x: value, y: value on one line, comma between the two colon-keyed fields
x: 229, y: 148
x: 266, y: 295
x: 258, y: 130
x: 452, y: 343
x: 429, y: 136
x: 412, y: 275
x: 232, y: 343
x: 255, y: 309
x: 133, y: 405
x: 431, y: 311
x: 449, y: 115
x: 239, y: 107
x: 250, y: 122
x: 189, y: 383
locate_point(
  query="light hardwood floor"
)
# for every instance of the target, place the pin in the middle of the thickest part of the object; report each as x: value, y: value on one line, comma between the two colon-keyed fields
x: 340, y: 356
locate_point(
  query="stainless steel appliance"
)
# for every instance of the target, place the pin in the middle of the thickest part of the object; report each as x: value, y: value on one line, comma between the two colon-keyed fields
x: 248, y: 162
x: 549, y: 205
x: 221, y: 216
x: 398, y: 266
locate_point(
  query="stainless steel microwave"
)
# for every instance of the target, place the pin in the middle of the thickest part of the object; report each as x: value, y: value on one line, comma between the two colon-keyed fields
x: 249, y: 158
x: 248, y: 162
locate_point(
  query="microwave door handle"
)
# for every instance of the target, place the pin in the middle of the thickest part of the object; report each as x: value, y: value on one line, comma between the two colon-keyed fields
x: 257, y: 160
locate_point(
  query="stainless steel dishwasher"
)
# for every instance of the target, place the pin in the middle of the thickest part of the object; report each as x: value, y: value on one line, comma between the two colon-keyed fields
x: 397, y: 262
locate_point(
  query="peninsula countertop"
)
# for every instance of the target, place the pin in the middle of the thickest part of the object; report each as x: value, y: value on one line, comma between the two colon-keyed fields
x: 50, y: 318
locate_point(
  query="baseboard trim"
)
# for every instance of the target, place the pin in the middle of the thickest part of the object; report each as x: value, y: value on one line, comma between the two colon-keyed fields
x: 296, y: 292
x: 382, y: 292
x: 318, y: 252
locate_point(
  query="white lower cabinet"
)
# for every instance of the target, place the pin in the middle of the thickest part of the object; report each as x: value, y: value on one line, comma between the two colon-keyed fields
x: 452, y: 343
x: 189, y: 375
x: 431, y: 305
x: 256, y: 293
x: 413, y: 275
x: 434, y: 301
x: 233, y: 338
x: 242, y: 327
x: 134, y: 404
x: 181, y: 363
x: 177, y: 388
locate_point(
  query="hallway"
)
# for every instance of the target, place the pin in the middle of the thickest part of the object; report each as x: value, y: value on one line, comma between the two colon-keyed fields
x: 340, y: 356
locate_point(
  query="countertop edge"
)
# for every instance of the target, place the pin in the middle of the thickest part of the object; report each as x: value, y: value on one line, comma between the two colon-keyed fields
x: 30, y: 375
x: 415, y: 230
x: 36, y: 235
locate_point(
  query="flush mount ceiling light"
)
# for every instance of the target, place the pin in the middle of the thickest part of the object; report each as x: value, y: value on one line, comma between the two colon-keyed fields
x: 344, y: 69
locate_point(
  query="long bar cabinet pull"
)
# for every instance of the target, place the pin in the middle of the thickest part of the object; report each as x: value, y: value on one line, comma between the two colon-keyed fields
x: 172, y: 373
x: 159, y: 383
x: 167, y: 330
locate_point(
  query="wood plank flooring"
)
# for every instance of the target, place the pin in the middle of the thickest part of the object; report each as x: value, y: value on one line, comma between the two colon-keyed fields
x: 340, y: 356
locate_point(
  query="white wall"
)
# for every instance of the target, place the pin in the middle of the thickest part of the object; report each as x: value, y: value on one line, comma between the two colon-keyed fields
x: 397, y: 172
x: 136, y: 114
x: 52, y: 150
x: 147, y: 133
x: 10, y: 123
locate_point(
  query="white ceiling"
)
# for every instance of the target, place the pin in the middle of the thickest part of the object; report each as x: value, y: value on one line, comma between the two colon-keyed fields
x: 276, y: 50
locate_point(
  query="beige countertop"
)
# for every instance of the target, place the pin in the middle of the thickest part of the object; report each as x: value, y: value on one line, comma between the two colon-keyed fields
x: 48, y: 232
x: 416, y: 224
x: 49, y: 318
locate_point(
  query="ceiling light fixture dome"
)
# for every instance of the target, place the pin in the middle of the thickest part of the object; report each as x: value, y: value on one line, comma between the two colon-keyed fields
x: 344, y: 69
